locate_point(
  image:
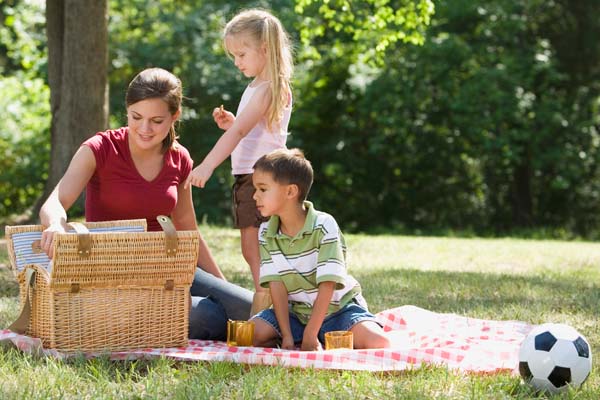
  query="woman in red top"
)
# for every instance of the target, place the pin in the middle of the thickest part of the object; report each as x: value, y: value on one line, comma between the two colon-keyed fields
x: 139, y: 171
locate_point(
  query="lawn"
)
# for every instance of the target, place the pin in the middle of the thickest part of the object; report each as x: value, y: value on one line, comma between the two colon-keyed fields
x: 529, y: 280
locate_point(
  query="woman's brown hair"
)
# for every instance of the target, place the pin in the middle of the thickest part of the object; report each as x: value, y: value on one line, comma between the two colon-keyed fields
x: 153, y: 83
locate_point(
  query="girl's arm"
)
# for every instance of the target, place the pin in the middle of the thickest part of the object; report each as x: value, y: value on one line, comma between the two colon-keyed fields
x: 53, y: 213
x: 184, y: 219
x: 250, y: 116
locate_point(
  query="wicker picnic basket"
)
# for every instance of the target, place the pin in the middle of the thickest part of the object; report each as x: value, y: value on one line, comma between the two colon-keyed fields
x: 115, y: 287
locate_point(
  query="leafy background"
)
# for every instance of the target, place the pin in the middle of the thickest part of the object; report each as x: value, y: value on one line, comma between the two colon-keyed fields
x: 480, y: 118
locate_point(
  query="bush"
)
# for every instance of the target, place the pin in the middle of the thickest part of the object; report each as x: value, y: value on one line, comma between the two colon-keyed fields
x: 24, y: 142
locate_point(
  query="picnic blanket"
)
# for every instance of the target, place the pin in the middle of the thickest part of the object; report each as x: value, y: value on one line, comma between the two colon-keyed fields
x: 418, y: 336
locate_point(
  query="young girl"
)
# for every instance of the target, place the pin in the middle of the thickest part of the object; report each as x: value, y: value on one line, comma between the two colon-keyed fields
x: 260, y: 48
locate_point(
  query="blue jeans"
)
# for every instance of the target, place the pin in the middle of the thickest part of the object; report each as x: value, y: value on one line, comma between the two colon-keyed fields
x: 342, y: 320
x: 213, y: 302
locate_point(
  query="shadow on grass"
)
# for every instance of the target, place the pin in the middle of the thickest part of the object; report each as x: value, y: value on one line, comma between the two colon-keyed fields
x: 478, y: 294
x: 482, y: 295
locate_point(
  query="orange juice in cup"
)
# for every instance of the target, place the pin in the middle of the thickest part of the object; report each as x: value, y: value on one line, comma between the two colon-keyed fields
x: 240, y: 333
x: 339, y: 340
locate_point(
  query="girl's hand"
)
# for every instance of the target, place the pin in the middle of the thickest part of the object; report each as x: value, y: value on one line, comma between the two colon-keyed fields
x: 311, y: 343
x: 287, y: 343
x: 199, y: 176
x: 48, y: 238
x: 223, y: 118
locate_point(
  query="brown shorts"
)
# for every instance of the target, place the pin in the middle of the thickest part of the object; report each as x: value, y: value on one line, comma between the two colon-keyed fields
x: 245, y: 213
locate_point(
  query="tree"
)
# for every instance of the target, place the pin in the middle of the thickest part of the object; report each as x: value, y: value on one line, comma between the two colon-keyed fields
x: 77, y: 75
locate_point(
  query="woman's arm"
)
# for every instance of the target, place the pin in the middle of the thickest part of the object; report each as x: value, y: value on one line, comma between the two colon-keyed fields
x: 184, y: 218
x: 53, y: 213
x: 248, y: 118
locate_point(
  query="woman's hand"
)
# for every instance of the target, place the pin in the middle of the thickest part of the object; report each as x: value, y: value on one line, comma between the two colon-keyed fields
x: 48, y: 238
x: 223, y: 118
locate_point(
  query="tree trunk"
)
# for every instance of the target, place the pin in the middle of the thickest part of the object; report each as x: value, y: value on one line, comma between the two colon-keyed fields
x: 77, y: 75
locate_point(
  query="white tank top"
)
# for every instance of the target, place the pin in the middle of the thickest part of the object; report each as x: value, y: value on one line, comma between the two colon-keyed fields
x: 259, y: 141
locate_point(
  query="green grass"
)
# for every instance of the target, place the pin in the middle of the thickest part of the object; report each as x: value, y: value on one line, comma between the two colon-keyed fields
x: 529, y: 280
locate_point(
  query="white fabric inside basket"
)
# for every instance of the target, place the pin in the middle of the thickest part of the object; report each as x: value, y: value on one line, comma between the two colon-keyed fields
x: 25, y: 255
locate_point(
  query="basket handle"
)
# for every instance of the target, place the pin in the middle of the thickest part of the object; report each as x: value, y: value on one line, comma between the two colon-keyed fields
x: 170, y: 234
x: 22, y: 322
x: 84, y: 245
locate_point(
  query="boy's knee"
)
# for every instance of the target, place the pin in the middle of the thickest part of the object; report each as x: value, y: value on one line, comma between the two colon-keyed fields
x: 369, y: 335
x: 374, y: 342
x: 381, y: 342
x: 264, y: 334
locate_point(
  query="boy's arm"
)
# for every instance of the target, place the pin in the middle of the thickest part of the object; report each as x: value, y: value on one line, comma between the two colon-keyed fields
x: 279, y: 295
x: 310, y: 340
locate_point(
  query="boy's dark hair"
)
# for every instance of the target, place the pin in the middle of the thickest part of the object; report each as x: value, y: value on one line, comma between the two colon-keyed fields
x: 288, y: 167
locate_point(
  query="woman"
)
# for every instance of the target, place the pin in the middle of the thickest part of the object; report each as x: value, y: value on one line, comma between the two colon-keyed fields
x: 139, y: 171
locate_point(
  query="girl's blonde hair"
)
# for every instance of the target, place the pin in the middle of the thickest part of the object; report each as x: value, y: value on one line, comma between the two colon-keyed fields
x: 264, y: 28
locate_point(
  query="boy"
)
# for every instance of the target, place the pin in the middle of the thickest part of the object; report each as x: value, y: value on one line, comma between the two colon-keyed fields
x: 303, y: 263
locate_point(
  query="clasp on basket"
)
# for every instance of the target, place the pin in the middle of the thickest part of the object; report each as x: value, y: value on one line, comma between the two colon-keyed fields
x: 170, y: 234
x: 84, y: 244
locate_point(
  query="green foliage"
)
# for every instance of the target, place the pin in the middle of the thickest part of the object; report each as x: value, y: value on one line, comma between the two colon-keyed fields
x: 22, y: 37
x: 491, y: 124
x: 484, y: 126
x: 25, y: 101
x: 24, y: 142
x: 366, y: 28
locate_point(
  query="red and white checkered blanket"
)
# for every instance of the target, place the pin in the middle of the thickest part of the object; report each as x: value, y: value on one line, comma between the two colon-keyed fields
x: 418, y: 337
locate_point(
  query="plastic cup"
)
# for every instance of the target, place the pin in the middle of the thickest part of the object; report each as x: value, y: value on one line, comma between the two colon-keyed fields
x: 339, y: 340
x: 240, y: 333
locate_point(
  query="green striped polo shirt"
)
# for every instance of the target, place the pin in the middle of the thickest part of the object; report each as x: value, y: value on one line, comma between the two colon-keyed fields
x: 316, y: 254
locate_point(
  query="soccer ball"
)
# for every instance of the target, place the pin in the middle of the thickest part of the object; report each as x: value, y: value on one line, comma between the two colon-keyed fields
x: 553, y: 357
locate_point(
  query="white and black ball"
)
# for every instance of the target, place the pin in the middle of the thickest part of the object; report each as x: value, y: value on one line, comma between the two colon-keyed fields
x: 553, y: 357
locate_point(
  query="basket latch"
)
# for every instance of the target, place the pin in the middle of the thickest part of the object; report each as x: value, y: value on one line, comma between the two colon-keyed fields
x: 74, y: 287
x: 170, y: 234
x: 169, y: 284
x: 83, y: 237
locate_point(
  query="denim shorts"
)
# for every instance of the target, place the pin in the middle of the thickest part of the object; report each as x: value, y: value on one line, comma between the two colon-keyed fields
x: 342, y: 320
